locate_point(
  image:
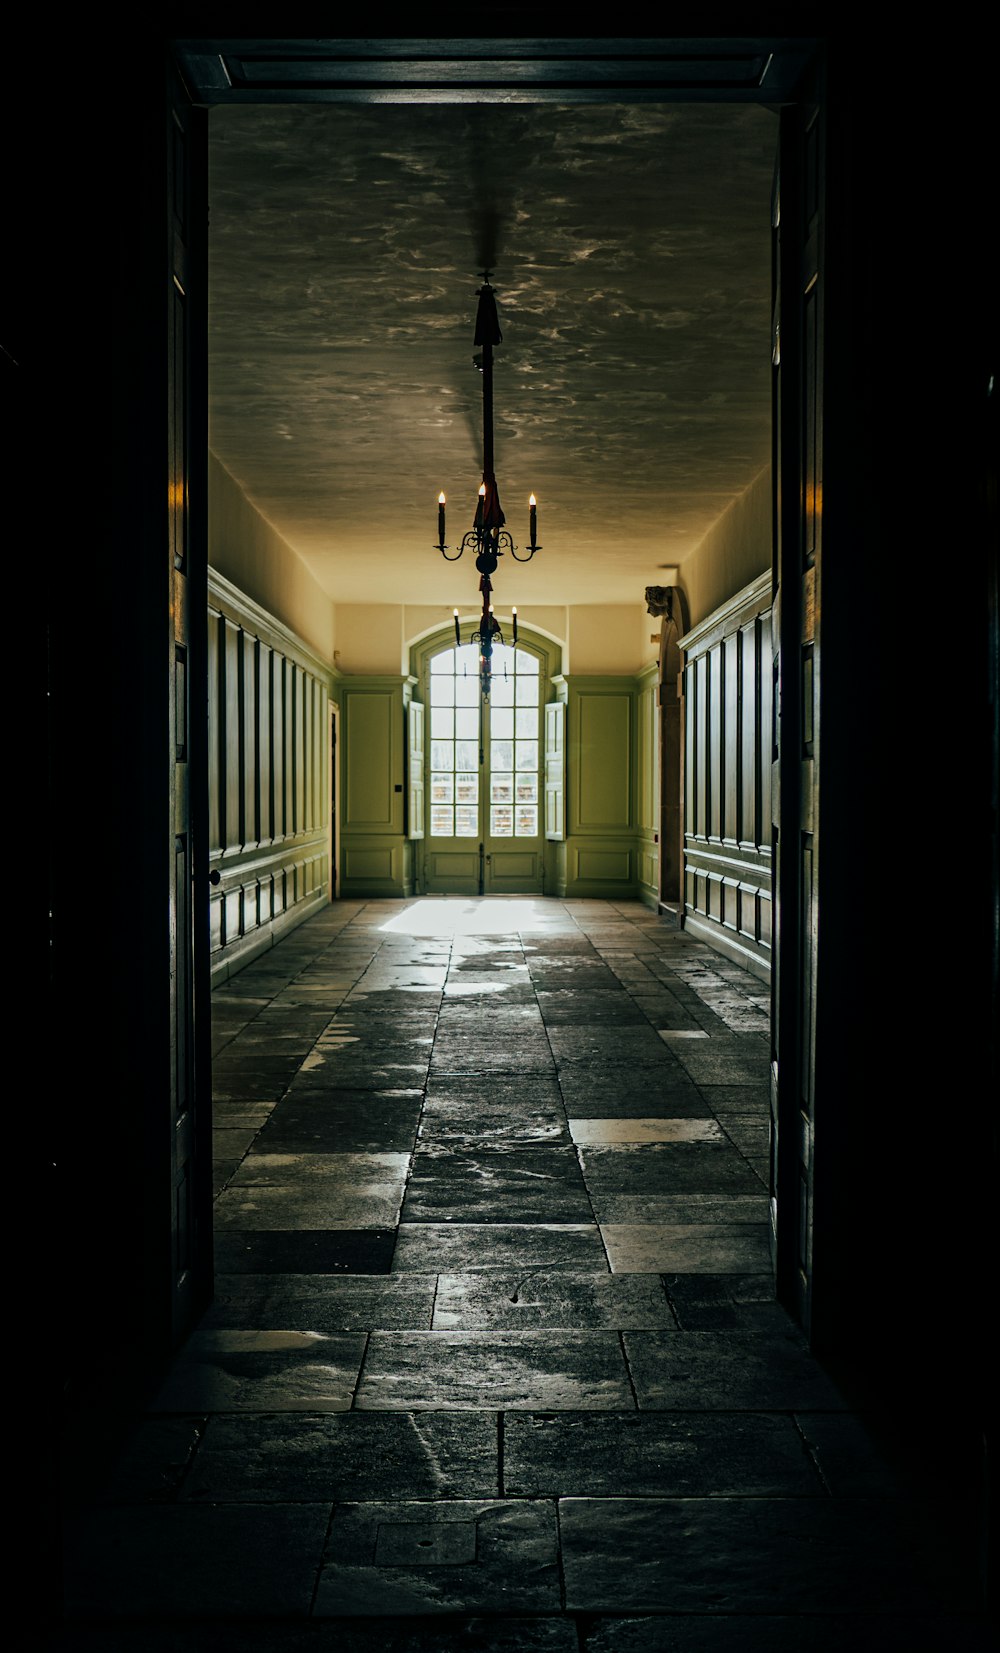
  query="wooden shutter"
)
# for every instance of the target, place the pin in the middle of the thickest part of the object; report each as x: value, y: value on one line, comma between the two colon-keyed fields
x: 555, y: 770
x: 415, y: 770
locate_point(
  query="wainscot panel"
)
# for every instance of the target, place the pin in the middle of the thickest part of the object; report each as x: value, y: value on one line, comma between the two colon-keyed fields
x: 602, y: 871
x: 374, y: 867
x: 269, y: 850
x: 727, y: 847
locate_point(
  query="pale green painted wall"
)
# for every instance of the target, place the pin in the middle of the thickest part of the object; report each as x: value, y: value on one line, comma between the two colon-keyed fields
x: 246, y: 550
x: 605, y: 638
x: 733, y: 554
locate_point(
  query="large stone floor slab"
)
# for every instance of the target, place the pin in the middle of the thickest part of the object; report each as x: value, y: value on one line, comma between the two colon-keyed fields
x: 418, y: 1558
x: 271, y: 1170
x: 493, y: 1127
x: 321, y: 1302
x: 609, y: 1455
x: 670, y: 1210
x: 352, y: 1456
x: 633, y: 1046
x: 553, y: 1299
x: 538, y: 1371
x: 576, y: 1007
x: 668, y: 1168
x: 725, y: 1371
x: 595, y: 1132
x: 760, y: 1555
x: 592, y: 1091
x: 689, y: 1248
x: 729, y: 1060
x: 471, y: 1247
x: 482, y: 1185
x: 314, y: 1191
x: 281, y: 1371
x: 343, y: 1122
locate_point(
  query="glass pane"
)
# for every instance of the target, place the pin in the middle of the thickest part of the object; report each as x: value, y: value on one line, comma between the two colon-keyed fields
x: 502, y: 723
x: 467, y: 660
x: 502, y: 693
x: 502, y: 754
x: 441, y: 821
x: 442, y: 754
x: 527, y: 691
x: 527, y: 820
x: 466, y: 754
x: 527, y: 663
x: 467, y: 789
x: 527, y: 789
x: 467, y: 688
x: 442, y: 789
x: 502, y: 789
x: 442, y: 691
x: 527, y: 754
x: 467, y: 723
x: 526, y: 722
x: 501, y: 821
x: 444, y: 663
x: 466, y: 822
x: 443, y: 723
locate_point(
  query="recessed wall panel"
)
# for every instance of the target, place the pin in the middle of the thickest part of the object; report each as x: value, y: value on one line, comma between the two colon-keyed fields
x: 368, y: 737
x: 604, y: 766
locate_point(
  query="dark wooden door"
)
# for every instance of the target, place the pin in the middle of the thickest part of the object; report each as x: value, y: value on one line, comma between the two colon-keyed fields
x: 797, y: 353
x: 190, y: 1073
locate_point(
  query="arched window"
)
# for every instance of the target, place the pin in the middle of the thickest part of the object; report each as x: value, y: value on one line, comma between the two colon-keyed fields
x: 484, y: 828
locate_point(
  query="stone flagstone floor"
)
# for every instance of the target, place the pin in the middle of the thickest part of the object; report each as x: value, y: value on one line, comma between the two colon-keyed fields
x: 494, y: 1360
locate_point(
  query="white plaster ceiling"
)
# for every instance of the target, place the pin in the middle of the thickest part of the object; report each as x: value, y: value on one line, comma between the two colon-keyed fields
x: 630, y: 250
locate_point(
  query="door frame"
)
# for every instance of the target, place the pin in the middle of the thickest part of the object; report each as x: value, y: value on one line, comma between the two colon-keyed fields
x: 765, y: 71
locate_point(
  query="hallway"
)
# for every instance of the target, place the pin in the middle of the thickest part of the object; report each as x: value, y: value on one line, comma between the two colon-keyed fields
x: 494, y: 1360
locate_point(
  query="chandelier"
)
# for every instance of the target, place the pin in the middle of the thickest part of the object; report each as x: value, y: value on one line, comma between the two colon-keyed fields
x: 488, y: 537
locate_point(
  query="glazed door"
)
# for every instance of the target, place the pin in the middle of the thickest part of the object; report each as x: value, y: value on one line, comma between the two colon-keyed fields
x: 484, y: 825
x: 513, y: 807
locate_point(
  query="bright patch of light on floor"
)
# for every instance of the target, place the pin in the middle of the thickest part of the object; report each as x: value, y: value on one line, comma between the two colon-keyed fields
x: 453, y: 916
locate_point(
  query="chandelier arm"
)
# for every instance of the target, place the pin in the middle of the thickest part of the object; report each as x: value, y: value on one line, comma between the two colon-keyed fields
x: 444, y: 552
